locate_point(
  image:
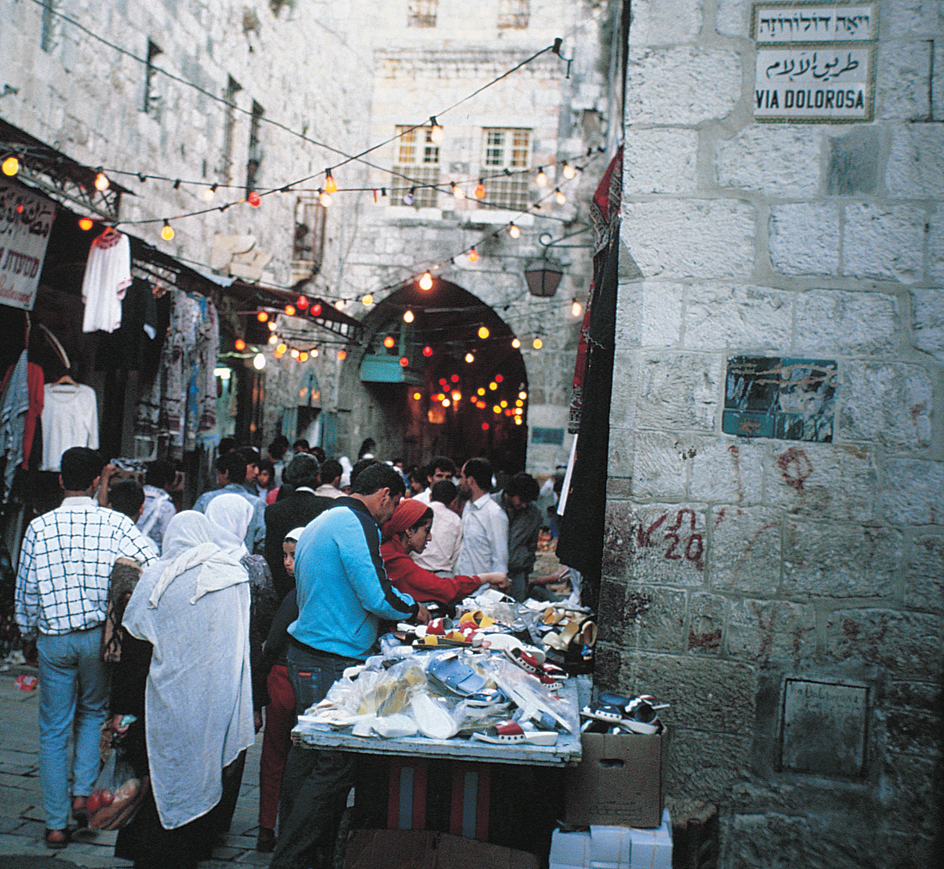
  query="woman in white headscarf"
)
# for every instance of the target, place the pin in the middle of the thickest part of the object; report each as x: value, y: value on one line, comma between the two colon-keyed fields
x: 185, y: 671
x: 230, y: 515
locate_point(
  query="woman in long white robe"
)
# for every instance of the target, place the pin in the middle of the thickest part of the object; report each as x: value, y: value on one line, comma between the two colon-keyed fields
x: 191, y: 610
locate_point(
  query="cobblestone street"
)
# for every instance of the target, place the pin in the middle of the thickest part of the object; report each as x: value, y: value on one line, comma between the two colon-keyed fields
x: 21, y: 813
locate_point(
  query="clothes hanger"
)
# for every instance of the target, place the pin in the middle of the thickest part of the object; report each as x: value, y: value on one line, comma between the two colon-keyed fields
x: 54, y: 342
x: 66, y: 380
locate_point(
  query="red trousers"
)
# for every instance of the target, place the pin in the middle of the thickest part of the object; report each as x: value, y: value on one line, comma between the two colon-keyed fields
x: 276, y: 741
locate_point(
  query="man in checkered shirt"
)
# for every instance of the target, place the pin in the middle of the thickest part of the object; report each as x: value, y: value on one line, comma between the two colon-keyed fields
x: 62, y: 594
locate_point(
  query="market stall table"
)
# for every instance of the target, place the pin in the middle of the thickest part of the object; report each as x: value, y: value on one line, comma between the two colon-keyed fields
x: 505, y: 794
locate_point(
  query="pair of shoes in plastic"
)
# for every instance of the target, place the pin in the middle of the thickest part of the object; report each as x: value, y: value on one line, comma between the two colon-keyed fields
x: 534, y: 661
x: 635, y: 714
x: 510, y: 732
x: 456, y: 677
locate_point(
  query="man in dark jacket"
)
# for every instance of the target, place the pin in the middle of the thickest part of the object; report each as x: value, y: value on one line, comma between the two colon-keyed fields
x: 293, y: 511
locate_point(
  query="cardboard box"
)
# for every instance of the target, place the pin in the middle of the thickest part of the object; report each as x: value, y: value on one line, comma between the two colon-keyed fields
x: 620, y: 781
x: 426, y: 849
x: 613, y: 847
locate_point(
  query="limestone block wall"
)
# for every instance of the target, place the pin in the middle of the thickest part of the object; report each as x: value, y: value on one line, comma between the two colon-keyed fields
x: 84, y: 95
x: 785, y: 595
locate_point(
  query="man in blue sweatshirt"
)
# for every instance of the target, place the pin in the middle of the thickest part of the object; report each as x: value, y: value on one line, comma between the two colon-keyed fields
x: 343, y: 596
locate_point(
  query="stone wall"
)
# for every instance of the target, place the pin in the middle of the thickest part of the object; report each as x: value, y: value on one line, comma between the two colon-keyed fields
x: 85, y: 96
x: 785, y: 595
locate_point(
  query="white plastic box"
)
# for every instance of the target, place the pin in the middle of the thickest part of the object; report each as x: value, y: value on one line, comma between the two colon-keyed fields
x: 613, y: 847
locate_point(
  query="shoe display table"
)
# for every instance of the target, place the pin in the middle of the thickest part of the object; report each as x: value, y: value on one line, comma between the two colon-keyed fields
x: 504, y: 794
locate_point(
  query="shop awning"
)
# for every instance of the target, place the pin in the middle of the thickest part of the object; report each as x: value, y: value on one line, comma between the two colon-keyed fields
x: 59, y: 176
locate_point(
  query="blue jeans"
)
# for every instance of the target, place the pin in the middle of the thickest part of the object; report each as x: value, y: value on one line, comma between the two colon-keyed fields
x: 315, y: 783
x: 73, y: 702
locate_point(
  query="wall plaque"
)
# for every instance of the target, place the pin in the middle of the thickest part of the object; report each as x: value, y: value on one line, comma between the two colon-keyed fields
x: 815, y: 62
x: 774, y: 397
x: 823, y: 728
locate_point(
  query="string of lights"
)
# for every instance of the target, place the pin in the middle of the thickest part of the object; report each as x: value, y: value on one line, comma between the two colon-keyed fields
x: 346, y: 158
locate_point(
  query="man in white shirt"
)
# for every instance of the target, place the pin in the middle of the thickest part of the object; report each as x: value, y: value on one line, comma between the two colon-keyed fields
x: 439, y: 468
x: 484, y: 523
x: 445, y: 541
x: 62, y: 594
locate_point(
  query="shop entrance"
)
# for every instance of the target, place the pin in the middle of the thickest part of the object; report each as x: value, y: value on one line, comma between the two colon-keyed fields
x: 441, y: 374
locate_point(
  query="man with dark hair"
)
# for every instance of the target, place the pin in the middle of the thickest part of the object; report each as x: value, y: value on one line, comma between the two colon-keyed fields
x: 445, y: 542
x: 158, y: 507
x: 439, y: 468
x: 62, y: 594
x: 484, y: 523
x: 524, y: 526
x: 300, y: 446
x: 331, y: 472
x: 292, y: 511
x: 360, y: 465
x: 343, y: 594
x: 251, y: 455
x: 230, y: 475
x: 127, y: 497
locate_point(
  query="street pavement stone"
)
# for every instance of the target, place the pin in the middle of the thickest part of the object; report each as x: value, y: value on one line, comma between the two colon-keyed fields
x: 21, y: 814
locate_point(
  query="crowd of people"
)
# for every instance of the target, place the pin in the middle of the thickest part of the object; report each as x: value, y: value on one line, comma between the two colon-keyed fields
x: 248, y: 608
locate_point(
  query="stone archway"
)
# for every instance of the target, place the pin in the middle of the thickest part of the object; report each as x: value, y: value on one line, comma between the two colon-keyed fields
x: 411, y: 409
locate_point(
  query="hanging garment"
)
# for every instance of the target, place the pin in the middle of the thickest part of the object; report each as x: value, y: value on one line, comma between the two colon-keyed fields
x: 70, y: 419
x: 127, y: 346
x: 14, y: 404
x: 107, y: 277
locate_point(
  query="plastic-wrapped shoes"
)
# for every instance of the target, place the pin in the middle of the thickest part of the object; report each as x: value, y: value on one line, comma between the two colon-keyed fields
x: 511, y: 732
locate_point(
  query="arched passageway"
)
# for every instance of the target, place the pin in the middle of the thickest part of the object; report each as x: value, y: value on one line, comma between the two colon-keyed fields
x: 440, y: 373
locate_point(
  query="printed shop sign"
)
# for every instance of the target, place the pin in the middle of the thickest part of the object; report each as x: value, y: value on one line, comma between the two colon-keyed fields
x: 815, y: 63
x: 25, y: 222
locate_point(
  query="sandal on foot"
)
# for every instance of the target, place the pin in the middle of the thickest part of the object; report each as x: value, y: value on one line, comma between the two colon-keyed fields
x: 57, y: 839
x: 80, y: 812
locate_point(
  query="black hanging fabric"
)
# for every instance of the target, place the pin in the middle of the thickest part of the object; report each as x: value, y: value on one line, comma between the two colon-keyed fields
x: 580, y: 543
x: 128, y: 346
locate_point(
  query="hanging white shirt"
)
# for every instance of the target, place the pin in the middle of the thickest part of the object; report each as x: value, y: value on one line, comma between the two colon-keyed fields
x: 107, y: 277
x: 70, y: 419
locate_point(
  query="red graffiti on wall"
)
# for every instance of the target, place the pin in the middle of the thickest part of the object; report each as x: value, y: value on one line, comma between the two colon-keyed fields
x: 684, y: 542
x: 795, y: 467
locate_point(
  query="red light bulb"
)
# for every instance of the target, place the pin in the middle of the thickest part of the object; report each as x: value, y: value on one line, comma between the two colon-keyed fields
x: 254, y: 199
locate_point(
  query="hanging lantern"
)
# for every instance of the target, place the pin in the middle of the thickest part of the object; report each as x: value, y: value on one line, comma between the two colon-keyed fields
x: 427, y: 351
x: 389, y: 341
x: 426, y: 282
x: 86, y: 223
x: 239, y: 344
x: 101, y: 182
x: 301, y: 303
x: 11, y: 165
x: 543, y: 277
x: 254, y: 199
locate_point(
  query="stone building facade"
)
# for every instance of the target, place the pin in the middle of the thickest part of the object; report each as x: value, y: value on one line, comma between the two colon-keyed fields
x: 781, y: 579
